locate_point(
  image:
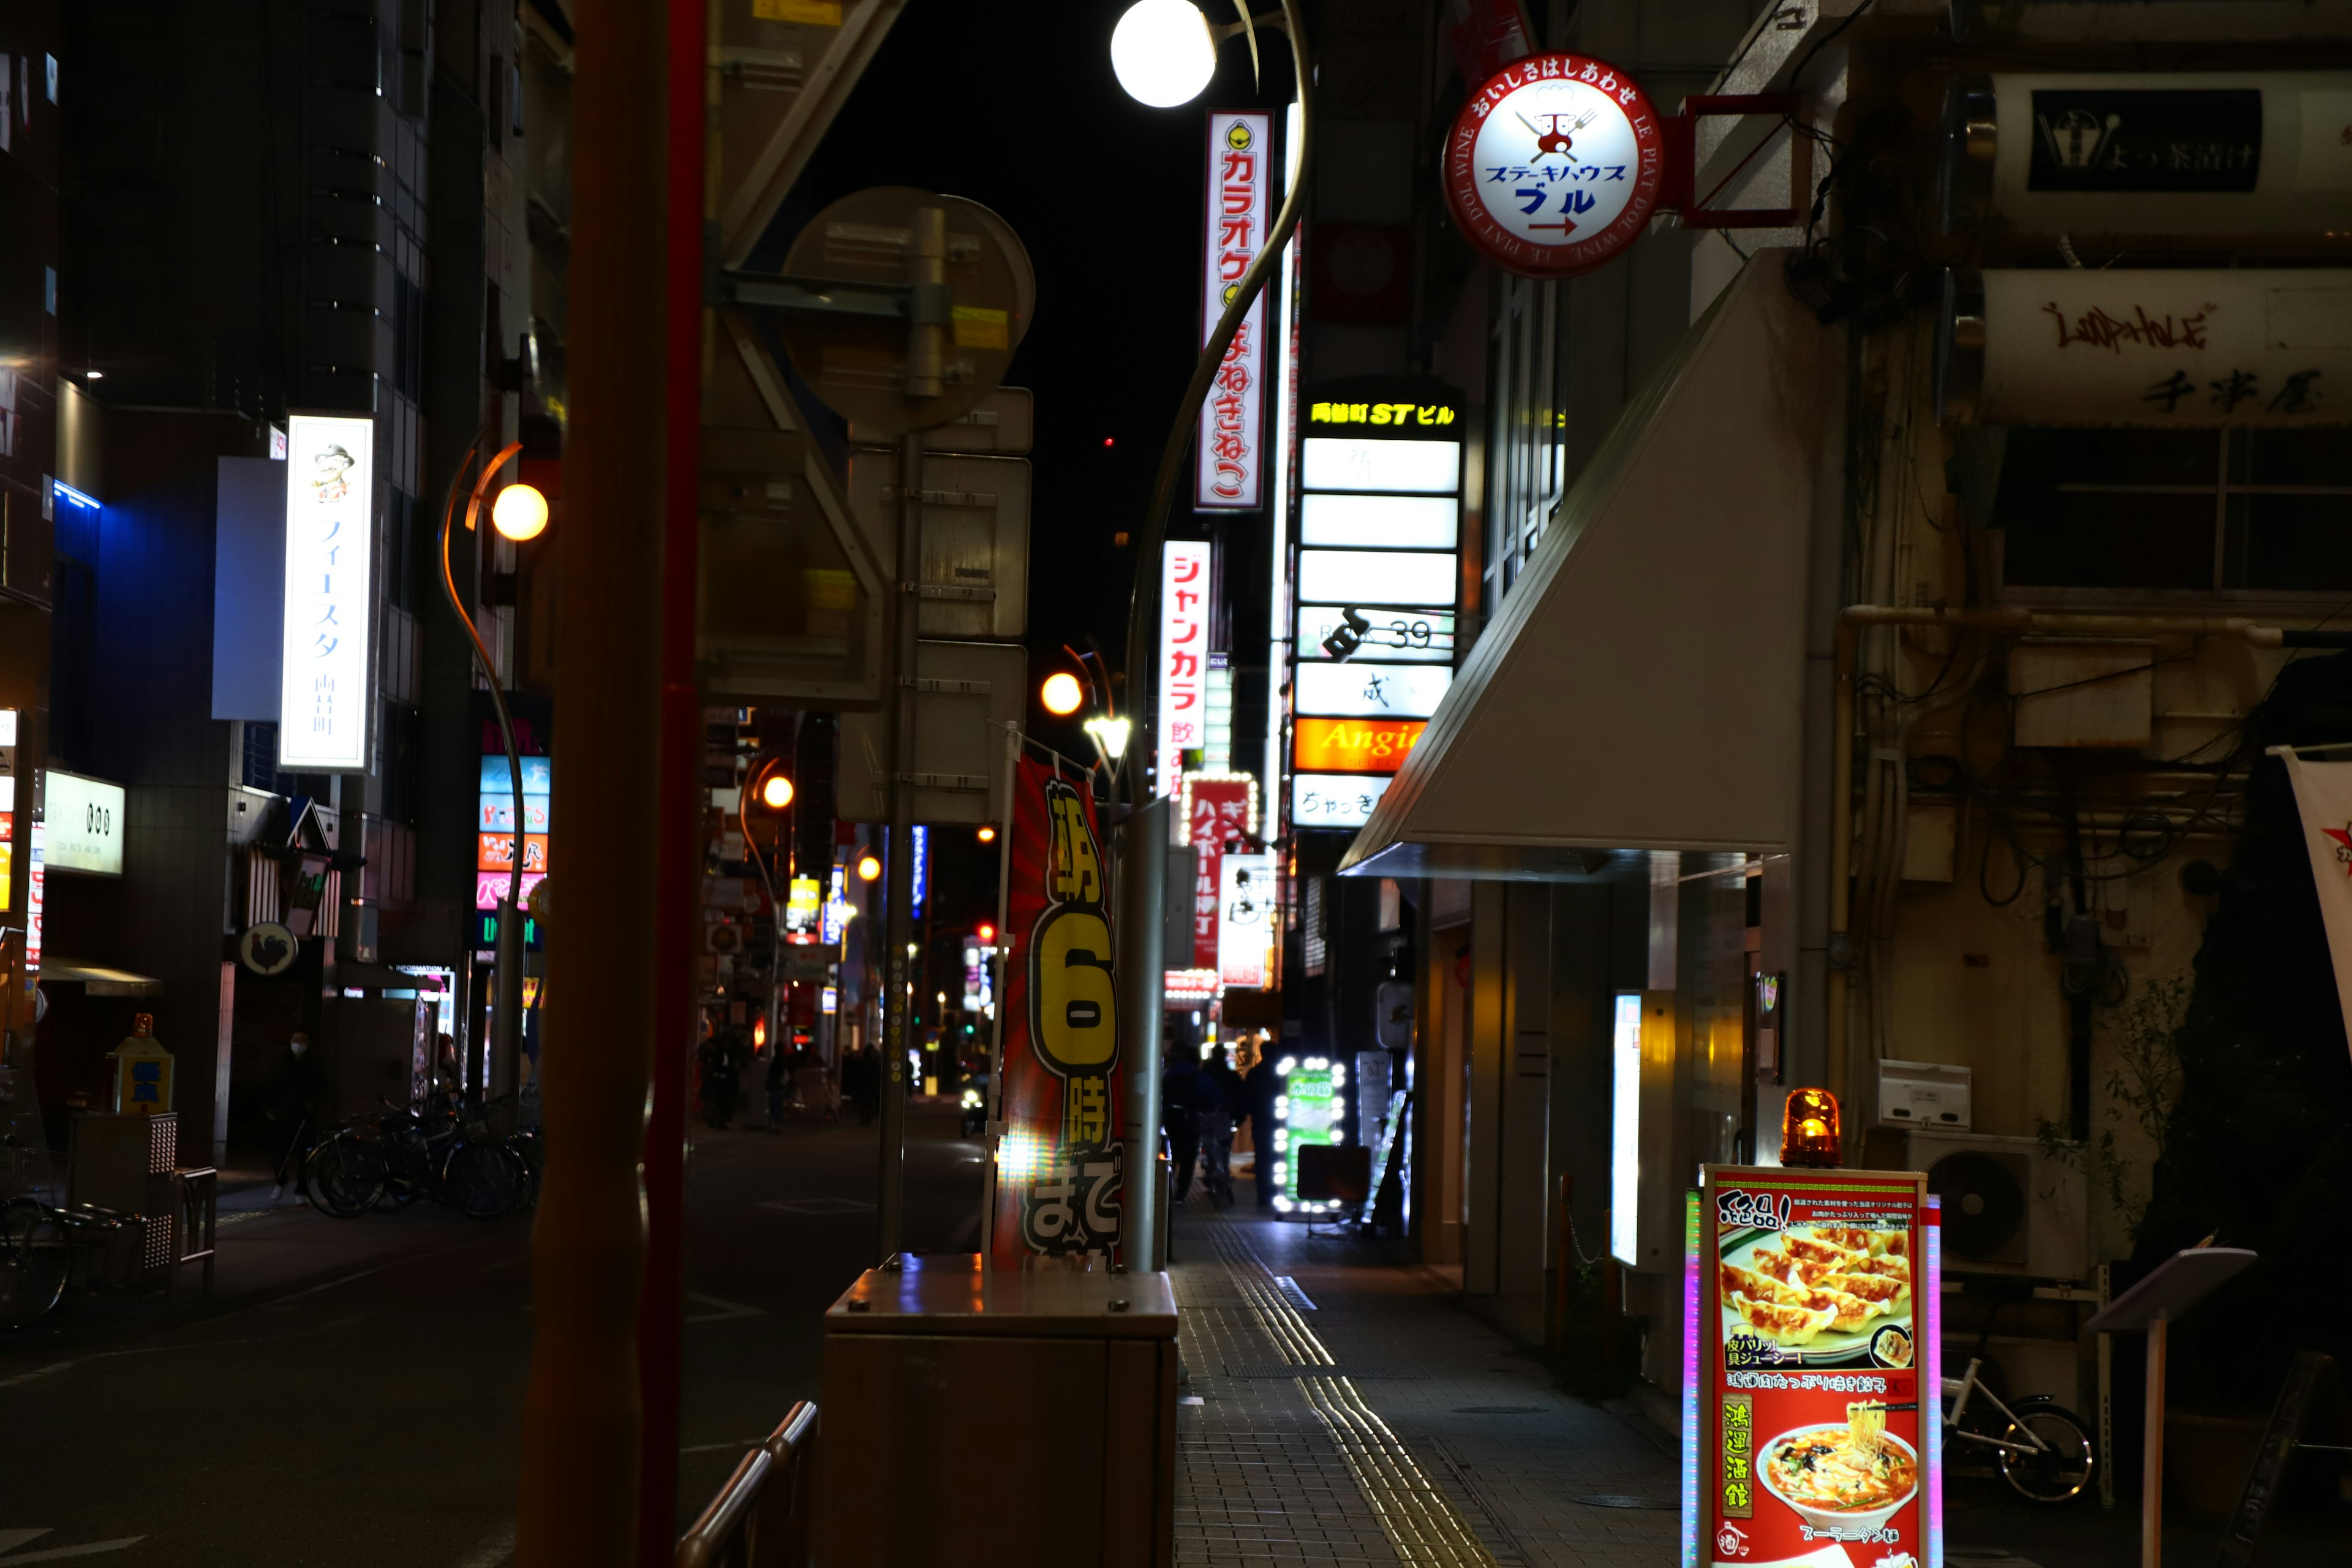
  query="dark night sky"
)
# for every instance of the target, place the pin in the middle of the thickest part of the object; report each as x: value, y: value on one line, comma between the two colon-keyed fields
x: 1015, y: 106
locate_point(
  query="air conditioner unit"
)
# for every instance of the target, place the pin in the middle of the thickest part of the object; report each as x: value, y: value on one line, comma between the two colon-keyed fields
x: 2009, y: 1206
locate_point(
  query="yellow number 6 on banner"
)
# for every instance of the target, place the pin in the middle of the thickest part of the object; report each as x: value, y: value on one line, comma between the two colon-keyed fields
x: 1076, y: 1028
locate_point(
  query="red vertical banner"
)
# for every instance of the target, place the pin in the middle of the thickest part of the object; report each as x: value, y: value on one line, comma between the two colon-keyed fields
x: 1218, y: 809
x: 1811, y: 1312
x: 1058, y: 1160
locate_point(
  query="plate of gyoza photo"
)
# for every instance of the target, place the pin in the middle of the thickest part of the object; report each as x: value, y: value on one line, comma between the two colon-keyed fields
x: 1820, y: 1293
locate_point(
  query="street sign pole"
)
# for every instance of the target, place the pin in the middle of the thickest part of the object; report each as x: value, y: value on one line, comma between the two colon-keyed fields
x: 891, y: 1191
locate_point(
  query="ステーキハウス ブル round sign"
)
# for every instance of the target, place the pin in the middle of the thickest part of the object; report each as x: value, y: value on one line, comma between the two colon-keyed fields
x: 1553, y: 166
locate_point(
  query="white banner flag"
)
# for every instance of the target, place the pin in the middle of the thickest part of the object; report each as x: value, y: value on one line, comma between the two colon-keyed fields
x: 2323, y: 793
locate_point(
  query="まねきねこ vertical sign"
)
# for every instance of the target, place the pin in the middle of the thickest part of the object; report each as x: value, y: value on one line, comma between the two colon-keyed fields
x: 1815, y: 1329
x: 323, y: 697
x: 1231, y: 449
x: 1058, y: 1160
x: 1554, y: 165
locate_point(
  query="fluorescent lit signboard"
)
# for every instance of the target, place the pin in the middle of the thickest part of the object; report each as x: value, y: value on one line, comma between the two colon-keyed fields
x: 804, y: 910
x: 837, y: 908
x: 36, y: 884
x: 1625, y: 1129
x: 1377, y: 577
x: 1411, y: 415
x: 1246, y: 912
x: 324, y: 692
x: 494, y: 826
x: 1393, y: 636
x: 1372, y: 690
x: 1218, y: 808
x: 828, y: 1000
x: 922, y: 869
x: 1353, y: 745
x: 85, y: 823
x: 1183, y: 656
x: 1345, y: 463
x: 1231, y: 449
x: 1335, y: 800
x: 1381, y: 522
x: 1808, y: 1420
x: 1310, y: 1106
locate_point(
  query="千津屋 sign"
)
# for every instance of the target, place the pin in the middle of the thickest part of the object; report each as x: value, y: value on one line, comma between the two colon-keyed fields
x: 1554, y: 165
x: 324, y: 692
x: 1232, y: 447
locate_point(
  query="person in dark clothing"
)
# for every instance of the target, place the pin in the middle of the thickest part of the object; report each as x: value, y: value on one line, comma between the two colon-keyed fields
x: 780, y: 1078
x: 1180, y: 1120
x: 1259, y: 1089
x: 1213, y: 1110
x: 861, y: 1080
x: 723, y: 1054
x: 290, y: 1099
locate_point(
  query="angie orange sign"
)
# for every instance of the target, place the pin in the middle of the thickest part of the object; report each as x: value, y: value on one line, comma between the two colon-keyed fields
x: 1353, y: 745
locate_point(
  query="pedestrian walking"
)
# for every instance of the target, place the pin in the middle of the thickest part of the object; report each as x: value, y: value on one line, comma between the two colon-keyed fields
x: 861, y: 1080
x: 1212, y: 1112
x: 290, y: 1099
x: 1259, y: 1088
x: 778, y: 1079
x: 1180, y: 1120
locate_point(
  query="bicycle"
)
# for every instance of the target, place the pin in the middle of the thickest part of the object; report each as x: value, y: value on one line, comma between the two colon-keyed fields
x: 2039, y: 1447
x: 38, y: 1245
x: 402, y: 1158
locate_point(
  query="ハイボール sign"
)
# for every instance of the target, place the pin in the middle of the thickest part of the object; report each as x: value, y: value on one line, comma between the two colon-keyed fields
x: 1554, y: 165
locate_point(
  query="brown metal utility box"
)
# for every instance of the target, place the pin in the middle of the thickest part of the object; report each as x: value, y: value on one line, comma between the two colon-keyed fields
x: 996, y: 1418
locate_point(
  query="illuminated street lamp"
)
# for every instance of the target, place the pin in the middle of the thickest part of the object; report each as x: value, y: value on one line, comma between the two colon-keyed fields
x: 1061, y: 694
x: 1163, y: 53
x: 520, y: 513
x: 869, y: 867
x: 1109, y: 736
x: 774, y: 791
x: 777, y: 793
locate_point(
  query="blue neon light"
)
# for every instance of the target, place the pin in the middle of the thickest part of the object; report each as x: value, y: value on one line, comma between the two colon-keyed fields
x: 922, y: 869
x: 73, y: 495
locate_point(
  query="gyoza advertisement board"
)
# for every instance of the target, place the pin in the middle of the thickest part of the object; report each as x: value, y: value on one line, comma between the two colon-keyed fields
x: 1057, y: 1187
x: 1810, y: 1310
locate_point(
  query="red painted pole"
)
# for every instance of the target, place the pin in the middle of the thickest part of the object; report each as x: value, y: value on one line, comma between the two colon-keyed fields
x: 678, y: 863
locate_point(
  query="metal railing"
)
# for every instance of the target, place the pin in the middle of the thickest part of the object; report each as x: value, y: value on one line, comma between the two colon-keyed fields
x: 197, y: 1236
x: 760, y: 1516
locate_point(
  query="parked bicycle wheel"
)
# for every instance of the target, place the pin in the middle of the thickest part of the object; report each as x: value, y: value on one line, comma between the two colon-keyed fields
x: 345, y: 1176
x: 2062, y: 1469
x: 483, y: 1181
x: 34, y: 1261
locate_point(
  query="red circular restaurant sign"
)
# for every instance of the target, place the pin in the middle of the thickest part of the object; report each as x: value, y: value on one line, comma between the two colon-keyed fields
x: 1554, y: 165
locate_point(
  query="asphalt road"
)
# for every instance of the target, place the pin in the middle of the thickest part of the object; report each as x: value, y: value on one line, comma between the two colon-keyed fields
x: 351, y: 1395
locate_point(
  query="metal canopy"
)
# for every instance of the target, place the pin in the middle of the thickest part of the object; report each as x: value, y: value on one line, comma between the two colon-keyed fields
x: 1642, y: 685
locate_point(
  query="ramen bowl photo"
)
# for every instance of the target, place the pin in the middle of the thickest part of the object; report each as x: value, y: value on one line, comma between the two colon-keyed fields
x: 1838, y: 1483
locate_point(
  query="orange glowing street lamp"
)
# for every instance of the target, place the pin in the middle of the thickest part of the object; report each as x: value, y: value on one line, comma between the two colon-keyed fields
x: 869, y: 867
x: 1062, y: 694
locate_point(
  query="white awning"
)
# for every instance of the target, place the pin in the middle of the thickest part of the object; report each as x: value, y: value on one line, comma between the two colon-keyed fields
x: 1641, y: 687
x: 103, y: 980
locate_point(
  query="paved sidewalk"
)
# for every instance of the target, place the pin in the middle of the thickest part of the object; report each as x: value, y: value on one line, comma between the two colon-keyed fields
x: 1359, y: 1415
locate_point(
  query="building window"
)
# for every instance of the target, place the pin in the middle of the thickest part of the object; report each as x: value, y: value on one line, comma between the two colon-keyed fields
x: 1526, y: 453
x: 260, y: 759
x: 2222, y: 511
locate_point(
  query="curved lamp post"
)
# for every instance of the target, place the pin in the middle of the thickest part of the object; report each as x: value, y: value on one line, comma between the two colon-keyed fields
x: 774, y: 791
x: 520, y: 513
x: 1158, y: 21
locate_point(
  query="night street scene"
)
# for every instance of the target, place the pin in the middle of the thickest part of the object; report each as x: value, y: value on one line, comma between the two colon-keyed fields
x: 1456, y: 783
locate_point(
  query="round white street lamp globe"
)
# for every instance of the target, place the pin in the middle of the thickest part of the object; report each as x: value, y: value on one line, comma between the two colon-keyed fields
x: 1162, y: 52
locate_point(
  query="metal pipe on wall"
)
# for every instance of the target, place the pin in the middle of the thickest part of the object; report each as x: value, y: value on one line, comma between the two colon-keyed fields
x: 2010, y: 618
x: 578, y: 1505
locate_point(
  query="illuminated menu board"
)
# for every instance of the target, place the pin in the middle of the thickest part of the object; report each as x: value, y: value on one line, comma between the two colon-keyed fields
x: 1311, y: 1107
